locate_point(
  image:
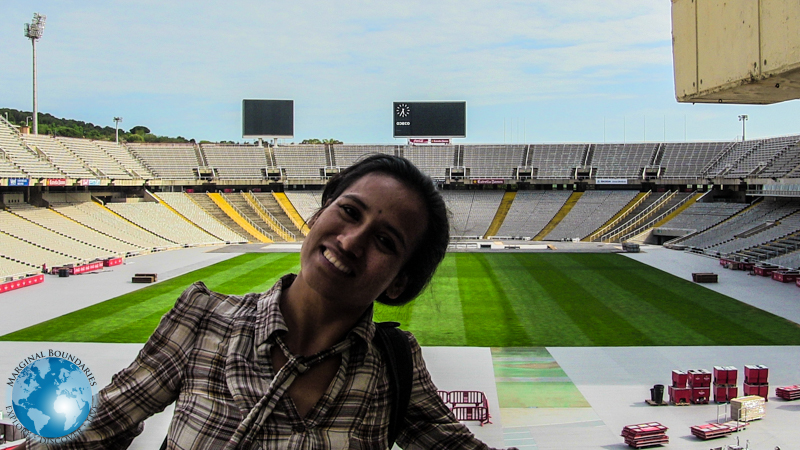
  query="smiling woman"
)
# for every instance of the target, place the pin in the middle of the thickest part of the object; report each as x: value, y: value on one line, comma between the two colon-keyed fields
x: 300, y: 366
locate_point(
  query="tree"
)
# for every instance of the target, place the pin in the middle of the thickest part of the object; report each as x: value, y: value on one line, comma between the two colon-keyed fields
x: 140, y: 129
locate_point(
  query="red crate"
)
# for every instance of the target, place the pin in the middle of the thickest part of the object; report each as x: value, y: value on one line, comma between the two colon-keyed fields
x: 680, y: 395
x: 701, y: 395
x: 725, y: 375
x: 765, y: 270
x: 762, y: 390
x: 785, y: 276
x: 788, y: 392
x: 756, y: 374
x: 679, y: 378
x: 724, y: 394
x: 699, y: 378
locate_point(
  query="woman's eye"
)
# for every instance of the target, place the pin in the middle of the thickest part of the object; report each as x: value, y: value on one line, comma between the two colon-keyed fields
x: 350, y: 211
x: 387, y: 242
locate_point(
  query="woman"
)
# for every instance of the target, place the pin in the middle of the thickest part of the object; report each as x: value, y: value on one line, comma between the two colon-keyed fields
x: 296, y: 367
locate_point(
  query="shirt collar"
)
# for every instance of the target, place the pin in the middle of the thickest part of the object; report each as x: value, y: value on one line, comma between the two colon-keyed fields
x: 270, y: 322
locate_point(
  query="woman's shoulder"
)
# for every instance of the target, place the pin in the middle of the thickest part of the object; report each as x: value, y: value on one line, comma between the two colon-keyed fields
x: 198, y: 297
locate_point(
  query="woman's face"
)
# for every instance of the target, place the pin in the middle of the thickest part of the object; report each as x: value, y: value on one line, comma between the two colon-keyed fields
x: 360, y: 241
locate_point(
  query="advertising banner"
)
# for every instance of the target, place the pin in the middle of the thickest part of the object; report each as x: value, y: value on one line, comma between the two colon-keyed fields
x: 489, y: 181
x: 56, y: 181
x: 19, y: 182
x: 611, y: 181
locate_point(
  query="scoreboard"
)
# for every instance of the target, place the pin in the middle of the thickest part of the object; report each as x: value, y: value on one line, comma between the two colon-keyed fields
x: 430, y: 119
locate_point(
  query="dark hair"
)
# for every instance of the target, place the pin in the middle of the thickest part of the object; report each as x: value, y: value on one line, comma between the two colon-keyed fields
x: 431, y: 248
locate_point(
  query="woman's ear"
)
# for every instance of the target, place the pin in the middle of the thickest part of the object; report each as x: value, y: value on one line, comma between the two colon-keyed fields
x: 397, y: 287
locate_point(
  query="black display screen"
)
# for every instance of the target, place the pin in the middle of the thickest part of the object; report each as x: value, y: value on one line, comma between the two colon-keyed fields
x: 268, y: 118
x: 430, y: 119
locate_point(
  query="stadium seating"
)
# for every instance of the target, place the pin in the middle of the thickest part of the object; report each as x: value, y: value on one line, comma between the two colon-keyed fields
x: 269, y: 203
x: 60, y: 224
x: 785, y: 164
x: 97, y: 217
x: 67, y: 250
x: 189, y: 209
x: 61, y: 157
x: 555, y: 161
x: 759, y: 214
x: 791, y: 260
x: 235, y: 162
x: 786, y: 226
x: 205, y: 202
x: 493, y: 161
x: 591, y: 211
x: 687, y: 159
x: 10, y: 268
x: 472, y: 211
x: 30, y: 254
x: 95, y: 158
x: 123, y: 156
x: 157, y: 219
x: 301, y: 161
x: 246, y: 210
x: 169, y: 161
x: 7, y: 167
x: 701, y: 216
x: 621, y: 160
x: 305, y: 202
x: 531, y: 212
x: 433, y: 161
x: 27, y: 160
x: 761, y: 154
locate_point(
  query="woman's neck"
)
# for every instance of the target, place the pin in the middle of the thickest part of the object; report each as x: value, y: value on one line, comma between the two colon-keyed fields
x: 314, y: 322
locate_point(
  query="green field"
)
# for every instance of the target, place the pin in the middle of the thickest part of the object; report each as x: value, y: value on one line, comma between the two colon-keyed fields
x: 481, y: 299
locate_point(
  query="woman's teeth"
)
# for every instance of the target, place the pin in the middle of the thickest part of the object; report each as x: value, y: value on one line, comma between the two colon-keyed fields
x: 336, y: 263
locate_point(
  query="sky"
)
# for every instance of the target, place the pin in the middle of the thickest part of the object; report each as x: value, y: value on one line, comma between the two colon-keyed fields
x: 530, y: 71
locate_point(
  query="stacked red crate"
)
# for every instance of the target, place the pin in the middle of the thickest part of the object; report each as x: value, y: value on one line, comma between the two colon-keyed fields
x: 755, y: 380
x: 716, y: 430
x: 679, y: 394
x: 700, y: 382
x: 645, y: 435
x: 788, y: 392
x: 725, y: 383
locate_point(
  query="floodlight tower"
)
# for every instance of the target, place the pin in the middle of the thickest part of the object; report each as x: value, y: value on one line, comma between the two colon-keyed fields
x: 34, y: 31
x: 743, y: 119
x: 117, y: 120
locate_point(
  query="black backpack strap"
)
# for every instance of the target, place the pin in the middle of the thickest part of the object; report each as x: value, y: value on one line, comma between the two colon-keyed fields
x: 396, y: 349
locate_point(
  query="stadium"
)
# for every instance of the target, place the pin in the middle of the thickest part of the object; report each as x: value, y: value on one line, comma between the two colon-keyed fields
x: 567, y: 293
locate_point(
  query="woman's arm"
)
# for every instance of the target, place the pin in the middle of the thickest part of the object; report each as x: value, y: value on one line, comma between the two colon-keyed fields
x: 149, y: 384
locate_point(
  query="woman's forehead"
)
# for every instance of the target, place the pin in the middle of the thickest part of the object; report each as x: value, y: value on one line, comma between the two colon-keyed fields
x: 390, y: 198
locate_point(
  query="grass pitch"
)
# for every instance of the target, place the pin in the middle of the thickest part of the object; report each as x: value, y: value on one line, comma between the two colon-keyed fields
x: 481, y: 299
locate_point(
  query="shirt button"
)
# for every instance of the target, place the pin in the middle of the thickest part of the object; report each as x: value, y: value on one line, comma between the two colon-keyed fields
x: 299, y: 428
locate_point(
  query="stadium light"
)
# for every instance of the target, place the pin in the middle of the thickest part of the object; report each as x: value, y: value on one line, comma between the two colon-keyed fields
x: 743, y: 119
x: 34, y: 31
x: 117, y: 120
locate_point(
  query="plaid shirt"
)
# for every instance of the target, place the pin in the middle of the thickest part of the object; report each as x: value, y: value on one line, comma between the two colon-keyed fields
x: 211, y: 355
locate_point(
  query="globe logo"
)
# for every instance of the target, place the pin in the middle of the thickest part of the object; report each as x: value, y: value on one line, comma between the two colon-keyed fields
x: 52, y: 397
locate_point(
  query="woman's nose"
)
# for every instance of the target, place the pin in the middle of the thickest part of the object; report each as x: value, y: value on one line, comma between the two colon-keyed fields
x: 352, y: 240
